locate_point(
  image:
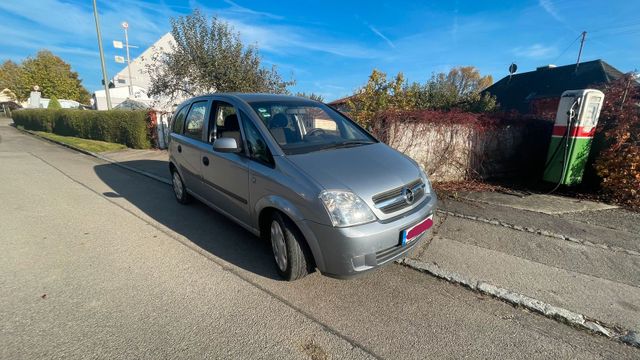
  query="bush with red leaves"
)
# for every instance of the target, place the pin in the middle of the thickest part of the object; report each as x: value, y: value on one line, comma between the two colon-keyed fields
x: 619, y: 164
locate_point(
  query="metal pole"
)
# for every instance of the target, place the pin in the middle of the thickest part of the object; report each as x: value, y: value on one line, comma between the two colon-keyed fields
x: 584, y: 35
x: 126, y: 40
x: 632, y: 76
x: 104, y: 67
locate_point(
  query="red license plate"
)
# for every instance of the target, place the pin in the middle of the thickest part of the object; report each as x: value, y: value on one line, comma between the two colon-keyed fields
x: 416, y: 230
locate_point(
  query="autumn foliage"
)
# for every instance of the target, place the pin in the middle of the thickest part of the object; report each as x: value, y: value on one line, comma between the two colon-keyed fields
x: 619, y: 164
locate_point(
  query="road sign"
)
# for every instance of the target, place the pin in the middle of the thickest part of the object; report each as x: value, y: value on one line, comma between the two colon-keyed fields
x: 120, y: 59
x: 117, y: 44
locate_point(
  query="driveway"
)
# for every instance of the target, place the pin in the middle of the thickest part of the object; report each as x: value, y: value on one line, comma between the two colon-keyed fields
x: 98, y: 261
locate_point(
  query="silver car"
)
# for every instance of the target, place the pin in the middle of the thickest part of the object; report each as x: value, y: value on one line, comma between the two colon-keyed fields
x: 324, y: 192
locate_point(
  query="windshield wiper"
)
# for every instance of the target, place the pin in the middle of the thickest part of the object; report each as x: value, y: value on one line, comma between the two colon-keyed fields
x: 345, y: 144
x: 354, y: 142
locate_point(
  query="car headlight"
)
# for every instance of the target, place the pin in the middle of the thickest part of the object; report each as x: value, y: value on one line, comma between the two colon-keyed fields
x: 346, y: 208
x: 425, y: 180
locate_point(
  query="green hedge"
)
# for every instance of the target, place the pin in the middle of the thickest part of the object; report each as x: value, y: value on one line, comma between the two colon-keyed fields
x: 116, y: 126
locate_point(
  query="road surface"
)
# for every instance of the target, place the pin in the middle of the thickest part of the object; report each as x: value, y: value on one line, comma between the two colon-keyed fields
x: 100, y: 262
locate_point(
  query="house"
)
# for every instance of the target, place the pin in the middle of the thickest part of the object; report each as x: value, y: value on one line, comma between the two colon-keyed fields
x: 538, y: 92
x: 140, y: 79
x: 342, y: 104
x: 140, y: 76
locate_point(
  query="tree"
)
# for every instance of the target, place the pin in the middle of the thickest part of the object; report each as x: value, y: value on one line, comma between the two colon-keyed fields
x: 54, y: 103
x: 208, y: 56
x: 311, y: 96
x: 53, y: 76
x: 379, y: 93
x: 12, y: 78
x: 459, y: 88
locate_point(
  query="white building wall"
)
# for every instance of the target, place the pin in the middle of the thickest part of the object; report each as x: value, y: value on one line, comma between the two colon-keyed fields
x: 139, y: 74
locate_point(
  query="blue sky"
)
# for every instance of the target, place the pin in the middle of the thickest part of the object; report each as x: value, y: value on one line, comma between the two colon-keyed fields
x: 330, y: 47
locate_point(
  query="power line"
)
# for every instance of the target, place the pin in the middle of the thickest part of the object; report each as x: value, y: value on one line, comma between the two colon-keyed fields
x: 565, y: 50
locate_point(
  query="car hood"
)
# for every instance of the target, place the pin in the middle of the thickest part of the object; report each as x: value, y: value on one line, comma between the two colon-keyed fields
x: 366, y: 170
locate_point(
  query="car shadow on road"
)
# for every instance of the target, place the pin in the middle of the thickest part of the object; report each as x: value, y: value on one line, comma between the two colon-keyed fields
x: 203, y: 226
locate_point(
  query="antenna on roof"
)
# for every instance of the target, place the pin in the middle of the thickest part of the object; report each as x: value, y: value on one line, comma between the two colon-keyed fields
x: 584, y: 36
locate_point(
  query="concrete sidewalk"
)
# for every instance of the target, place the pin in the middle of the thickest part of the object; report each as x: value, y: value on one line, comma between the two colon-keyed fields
x: 577, y: 255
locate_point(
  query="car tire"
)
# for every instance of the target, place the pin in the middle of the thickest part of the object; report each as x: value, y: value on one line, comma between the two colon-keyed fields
x: 285, y: 238
x: 179, y: 190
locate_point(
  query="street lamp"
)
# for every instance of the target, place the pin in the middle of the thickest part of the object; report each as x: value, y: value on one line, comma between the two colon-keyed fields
x: 104, y: 68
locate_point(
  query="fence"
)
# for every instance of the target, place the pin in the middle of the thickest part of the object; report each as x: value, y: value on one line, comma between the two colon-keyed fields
x: 459, y: 146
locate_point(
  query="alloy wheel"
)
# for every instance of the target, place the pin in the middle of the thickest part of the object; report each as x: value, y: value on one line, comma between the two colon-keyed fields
x: 278, y: 245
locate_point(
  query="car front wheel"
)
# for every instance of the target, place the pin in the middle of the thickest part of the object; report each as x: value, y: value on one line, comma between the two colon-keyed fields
x: 288, y: 247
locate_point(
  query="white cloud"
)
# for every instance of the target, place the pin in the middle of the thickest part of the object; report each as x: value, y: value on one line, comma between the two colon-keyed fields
x: 549, y: 7
x: 286, y: 39
x: 381, y: 35
x: 535, y: 51
x: 241, y: 9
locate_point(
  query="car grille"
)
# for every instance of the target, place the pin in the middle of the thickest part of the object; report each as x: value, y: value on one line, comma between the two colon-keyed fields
x: 385, y: 255
x: 394, y: 200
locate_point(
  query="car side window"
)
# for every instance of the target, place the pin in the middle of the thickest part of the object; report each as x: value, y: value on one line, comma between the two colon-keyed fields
x: 257, y: 147
x: 195, y: 120
x: 225, y: 119
x: 178, y: 120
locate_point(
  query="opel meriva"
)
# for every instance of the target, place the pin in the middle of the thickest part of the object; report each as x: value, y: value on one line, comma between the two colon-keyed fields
x: 325, y: 193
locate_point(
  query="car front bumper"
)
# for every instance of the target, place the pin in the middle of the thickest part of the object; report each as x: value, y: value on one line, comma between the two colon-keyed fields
x: 349, y: 251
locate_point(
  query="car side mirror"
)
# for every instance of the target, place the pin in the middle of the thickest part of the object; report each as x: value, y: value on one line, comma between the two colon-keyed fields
x: 226, y: 145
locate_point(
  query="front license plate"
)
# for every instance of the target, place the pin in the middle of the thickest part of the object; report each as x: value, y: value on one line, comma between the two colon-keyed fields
x: 416, y: 230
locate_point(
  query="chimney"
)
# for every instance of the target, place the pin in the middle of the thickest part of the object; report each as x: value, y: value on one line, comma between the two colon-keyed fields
x: 545, y: 67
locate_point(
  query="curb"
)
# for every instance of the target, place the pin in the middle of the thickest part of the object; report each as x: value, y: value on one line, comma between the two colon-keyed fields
x: 98, y: 156
x: 628, y: 337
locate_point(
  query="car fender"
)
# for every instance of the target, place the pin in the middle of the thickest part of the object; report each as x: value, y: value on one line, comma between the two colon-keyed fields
x: 294, y: 213
x: 173, y: 162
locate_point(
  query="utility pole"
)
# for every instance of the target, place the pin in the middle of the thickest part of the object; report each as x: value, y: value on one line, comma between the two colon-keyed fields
x: 125, y: 26
x: 104, y: 67
x: 584, y: 36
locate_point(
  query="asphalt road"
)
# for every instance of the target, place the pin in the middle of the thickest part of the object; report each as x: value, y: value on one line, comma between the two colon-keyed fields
x: 100, y: 262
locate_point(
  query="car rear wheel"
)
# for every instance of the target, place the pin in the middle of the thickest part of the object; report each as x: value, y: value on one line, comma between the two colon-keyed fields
x: 179, y: 190
x: 288, y: 247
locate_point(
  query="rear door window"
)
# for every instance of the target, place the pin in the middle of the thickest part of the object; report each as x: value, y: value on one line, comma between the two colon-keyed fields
x: 178, y: 120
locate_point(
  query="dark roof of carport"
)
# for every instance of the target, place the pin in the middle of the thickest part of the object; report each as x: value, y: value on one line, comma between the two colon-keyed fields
x: 516, y: 91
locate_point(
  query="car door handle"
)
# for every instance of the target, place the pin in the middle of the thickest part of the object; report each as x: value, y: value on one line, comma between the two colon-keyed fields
x: 205, y: 161
x: 179, y: 148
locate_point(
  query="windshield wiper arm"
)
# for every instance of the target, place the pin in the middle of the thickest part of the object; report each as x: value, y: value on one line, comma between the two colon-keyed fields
x: 353, y: 142
x: 347, y: 143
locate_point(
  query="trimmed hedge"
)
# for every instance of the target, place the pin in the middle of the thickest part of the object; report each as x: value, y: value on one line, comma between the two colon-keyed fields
x: 116, y: 126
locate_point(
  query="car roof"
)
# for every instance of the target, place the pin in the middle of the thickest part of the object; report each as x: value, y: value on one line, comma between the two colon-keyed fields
x: 255, y: 97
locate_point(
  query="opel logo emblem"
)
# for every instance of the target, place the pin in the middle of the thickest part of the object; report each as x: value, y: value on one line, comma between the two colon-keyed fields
x: 408, y: 196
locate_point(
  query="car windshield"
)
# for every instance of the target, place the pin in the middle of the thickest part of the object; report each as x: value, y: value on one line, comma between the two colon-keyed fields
x: 300, y: 127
